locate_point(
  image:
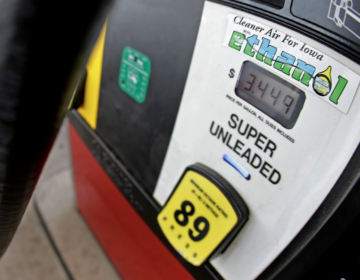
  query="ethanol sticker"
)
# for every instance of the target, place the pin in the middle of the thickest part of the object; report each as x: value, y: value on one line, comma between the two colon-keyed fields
x: 197, y: 218
x: 294, y: 60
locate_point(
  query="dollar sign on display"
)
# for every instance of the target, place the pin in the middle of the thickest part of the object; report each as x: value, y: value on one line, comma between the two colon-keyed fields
x: 231, y: 73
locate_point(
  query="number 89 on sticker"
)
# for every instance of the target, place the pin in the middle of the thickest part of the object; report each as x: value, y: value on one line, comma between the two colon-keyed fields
x: 181, y: 217
x: 199, y: 216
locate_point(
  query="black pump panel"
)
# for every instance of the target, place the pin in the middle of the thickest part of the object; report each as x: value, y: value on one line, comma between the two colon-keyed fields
x: 165, y: 31
x: 339, y: 16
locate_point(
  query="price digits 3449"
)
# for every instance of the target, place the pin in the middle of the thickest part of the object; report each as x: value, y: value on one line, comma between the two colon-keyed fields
x: 288, y: 100
x: 182, y: 218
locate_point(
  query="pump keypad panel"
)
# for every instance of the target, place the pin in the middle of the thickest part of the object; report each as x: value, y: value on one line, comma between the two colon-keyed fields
x: 202, y: 215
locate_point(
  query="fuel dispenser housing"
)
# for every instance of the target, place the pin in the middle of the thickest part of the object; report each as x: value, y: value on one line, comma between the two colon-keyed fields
x: 261, y: 94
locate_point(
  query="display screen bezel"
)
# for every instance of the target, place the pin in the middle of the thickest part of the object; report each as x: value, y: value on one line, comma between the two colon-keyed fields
x: 287, y: 123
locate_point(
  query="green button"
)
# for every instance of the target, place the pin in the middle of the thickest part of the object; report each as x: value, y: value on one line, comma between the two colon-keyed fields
x: 134, y: 74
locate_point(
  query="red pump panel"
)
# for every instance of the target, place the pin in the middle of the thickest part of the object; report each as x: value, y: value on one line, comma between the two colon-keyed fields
x: 133, y: 248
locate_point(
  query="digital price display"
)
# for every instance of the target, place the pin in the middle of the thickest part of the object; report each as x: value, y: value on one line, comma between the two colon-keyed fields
x: 277, y: 98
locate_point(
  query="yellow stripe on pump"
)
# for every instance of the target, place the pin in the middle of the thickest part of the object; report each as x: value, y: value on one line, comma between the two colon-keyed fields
x: 89, y: 108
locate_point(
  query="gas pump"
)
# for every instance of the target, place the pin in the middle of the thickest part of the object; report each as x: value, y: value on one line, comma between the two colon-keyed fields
x: 219, y: 139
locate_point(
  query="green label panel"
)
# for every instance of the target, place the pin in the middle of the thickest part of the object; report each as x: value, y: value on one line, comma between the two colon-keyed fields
x: 134, y: 74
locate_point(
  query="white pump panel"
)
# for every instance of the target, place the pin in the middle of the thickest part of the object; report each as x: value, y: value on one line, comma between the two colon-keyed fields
x: 292, y: 170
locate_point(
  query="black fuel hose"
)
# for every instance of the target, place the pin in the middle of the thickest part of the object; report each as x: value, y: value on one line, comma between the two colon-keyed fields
x: 44, y: 45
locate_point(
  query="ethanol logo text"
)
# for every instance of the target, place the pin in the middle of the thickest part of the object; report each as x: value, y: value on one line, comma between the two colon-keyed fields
x: 299, y: 70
